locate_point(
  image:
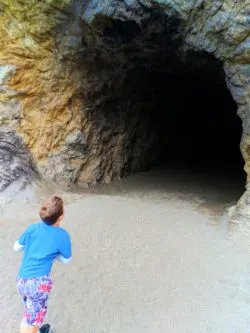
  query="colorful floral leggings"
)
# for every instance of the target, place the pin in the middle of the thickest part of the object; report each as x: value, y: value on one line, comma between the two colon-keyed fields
x: 35, y: 293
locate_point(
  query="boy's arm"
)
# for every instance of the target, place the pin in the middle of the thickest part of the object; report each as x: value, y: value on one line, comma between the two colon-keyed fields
x: 65, y: 249
x: 21, y: 242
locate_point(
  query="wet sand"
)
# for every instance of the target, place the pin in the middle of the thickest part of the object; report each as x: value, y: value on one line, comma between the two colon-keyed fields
x: 152, y: 254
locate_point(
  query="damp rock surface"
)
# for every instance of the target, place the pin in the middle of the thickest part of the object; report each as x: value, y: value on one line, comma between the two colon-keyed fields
x: 16, y: 166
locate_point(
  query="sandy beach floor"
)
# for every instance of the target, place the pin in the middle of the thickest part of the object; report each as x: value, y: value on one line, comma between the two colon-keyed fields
x: 150, y: 256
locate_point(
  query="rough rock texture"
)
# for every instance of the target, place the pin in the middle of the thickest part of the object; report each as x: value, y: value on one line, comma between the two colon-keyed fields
x: 16, y: 164
x: 61, y: 61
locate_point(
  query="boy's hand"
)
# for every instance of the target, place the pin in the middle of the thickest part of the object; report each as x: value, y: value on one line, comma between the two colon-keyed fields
x: 18, y: 247
x: 63, y: 259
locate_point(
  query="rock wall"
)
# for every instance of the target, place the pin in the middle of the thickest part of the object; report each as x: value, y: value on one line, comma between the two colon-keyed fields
x: 16, y: 163
x: 62, y: 61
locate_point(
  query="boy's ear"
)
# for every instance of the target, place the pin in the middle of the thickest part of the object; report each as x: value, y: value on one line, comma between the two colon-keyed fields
x: 60, y: 218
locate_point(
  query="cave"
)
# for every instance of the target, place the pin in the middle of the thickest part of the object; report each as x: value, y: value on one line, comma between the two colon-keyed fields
x: 192, y: 118
x: 100, y: 90
x: 171, y: 103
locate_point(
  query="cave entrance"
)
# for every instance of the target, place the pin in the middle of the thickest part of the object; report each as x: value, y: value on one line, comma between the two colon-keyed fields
x: 188, y: 121
x: 167, y: 104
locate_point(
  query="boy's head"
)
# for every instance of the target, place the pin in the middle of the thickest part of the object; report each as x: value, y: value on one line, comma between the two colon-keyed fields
x: 51, y: 211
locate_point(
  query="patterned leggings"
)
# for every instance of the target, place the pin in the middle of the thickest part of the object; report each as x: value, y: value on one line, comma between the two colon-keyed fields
x: 35, y: 294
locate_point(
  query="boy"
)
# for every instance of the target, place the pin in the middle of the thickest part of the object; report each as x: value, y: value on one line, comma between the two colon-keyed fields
x: 42, y: 243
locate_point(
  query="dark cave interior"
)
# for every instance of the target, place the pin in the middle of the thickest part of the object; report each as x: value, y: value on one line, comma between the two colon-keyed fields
x: 192, y: 115
x: 197, y: 118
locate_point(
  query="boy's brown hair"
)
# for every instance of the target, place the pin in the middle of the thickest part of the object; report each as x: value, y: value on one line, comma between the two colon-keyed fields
x: 51, y: 209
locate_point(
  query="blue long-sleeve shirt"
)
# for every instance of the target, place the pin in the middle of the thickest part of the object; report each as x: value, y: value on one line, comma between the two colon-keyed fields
x: 42, y: 244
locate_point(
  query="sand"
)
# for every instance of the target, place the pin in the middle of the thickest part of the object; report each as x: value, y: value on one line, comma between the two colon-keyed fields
x: 146, y: 259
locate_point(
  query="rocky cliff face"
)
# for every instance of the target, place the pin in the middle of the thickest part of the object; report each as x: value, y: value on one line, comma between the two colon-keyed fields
x: 73, y: 74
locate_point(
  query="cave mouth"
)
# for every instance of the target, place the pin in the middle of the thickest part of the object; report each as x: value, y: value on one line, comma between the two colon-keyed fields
x: 192, y: 116
x: 170, y: 104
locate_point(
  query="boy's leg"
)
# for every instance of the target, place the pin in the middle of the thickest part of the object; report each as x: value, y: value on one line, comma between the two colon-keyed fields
x: 21, y: 287
x: 35, y: 302
x: 28, y: 329
x: 34, y: 329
